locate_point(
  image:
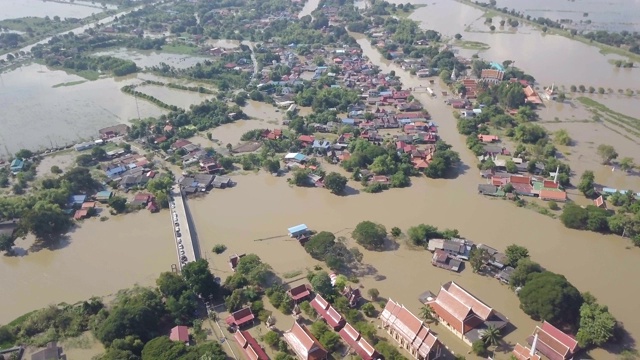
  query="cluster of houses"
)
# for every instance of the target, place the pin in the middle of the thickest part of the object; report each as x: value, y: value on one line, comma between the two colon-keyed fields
x: 81, y: 206
x: 523, y: 185
x: 129, y: 171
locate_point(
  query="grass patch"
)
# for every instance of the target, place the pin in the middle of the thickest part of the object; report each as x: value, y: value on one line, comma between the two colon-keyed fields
x: 326, y: 136
x: 70, y: 83
x: 182, y: 49
x: 22, y: 318
x: 471, y: 45
x: 292, y: 274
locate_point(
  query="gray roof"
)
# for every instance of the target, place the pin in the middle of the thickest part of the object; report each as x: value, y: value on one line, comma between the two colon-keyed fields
x: 451, y: 246
x: 487, y: 189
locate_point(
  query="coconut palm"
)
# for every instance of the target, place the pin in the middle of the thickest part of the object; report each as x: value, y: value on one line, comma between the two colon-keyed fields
x: 427, y: 314
x: 491, y: 335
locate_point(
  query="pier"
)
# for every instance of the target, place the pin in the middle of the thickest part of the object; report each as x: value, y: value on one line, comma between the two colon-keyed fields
x: 184, y: 241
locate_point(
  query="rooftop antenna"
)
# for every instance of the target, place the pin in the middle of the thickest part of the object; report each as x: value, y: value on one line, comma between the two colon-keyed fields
x: 555, y: 177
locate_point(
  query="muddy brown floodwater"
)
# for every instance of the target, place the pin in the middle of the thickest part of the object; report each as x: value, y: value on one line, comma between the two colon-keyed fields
x: 98, y: 258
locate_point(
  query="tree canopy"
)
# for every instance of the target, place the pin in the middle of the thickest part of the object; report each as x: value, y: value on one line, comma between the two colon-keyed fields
x: 200, y: 279
x: 370, y: 235
x: 335, y: 182
x: 549, y: 296
x: 515, y: 253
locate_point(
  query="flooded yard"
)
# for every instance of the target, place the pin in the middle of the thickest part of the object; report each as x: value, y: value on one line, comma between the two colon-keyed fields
x: 37, y: 115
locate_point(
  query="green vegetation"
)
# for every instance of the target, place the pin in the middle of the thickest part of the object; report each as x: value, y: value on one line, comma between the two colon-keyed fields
x: 548, y: 296
x: 421, y: 234
x: 70, y: 83
x: 515, y: 253
x: 324, y: 247
x: 130, y: 89
x: 219, y: 248
x: 370, y: 235
x: 180, y: 48
x: 471, y: 45
x: 335, y: 182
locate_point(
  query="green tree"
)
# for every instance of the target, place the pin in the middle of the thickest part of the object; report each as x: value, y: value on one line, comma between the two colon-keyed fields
x: 200, y: 279
x: 389, y: 351
x: 45, y: 221
x: 561, y: 137
x: 607, y: 153
x: 395, y: 231
x: 373, y: 294
x: 597, y: 325
x: 118, y: 204
x: 427, y: 314
x: 370, y: 235
x: 320, y: 244
x: 55, y: 169
x: 421, y: 234
x: 515, y: 253
x: 321, y: 283
x: 368, y: 309
x: 171, y: 284
x: 479, y: 348
x: 271, y: 338
x: 626, y: 164
x: 491, y: 335
x: 549, y: 296
x: 85, y: 160
x: 162, y: 348
x: 272, y: 166
x: 586, y: 185
x: 98, y: 153
x: 458, y: 36
x: 335, y: 182
x: 6, y: 242
x: 24, y: 154
x: 523, y: 269
x: 256, y: 272
x: 511, y: 167
x: 477, y: 258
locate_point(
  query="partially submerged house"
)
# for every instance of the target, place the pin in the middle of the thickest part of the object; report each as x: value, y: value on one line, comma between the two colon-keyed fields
x: 241, y: 318
x: 410, y: 332
x: 234, y: 260
x: 552, y: 342
x: 330, y: 315
x: 250, y: 347
x: 51, y: 352
x: 464, y: 314
x: 358, y: 344
x: 304, y: 344
x: 443, y: 260
x: 298, y: 230
x: 299, y: 293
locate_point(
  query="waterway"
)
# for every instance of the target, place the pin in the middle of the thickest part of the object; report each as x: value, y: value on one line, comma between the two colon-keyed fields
x: 309, y: 7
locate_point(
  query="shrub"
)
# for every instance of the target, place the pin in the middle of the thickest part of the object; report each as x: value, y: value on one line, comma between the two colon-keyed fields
x: 219, y: 249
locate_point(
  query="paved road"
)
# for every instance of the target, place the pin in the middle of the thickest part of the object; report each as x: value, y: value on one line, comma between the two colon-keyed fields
x: 184, y: 242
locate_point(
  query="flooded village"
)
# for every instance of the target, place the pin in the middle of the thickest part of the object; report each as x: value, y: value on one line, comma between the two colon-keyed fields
x: 421, y: 209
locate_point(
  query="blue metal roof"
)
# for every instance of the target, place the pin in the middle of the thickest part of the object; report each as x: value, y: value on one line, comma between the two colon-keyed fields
x: 78, y: 199
x: 300, y: 157
x: 348, y: 121
x: 298, y: 228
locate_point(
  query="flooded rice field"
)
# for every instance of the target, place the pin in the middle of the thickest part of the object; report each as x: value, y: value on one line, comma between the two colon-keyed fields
x: 97, y: 258
x: 12, y: 9
x: 549, y: 58
x: 42, y: 108
x: 180, y: 98
x: 148, y: 58
x: 610, y: 15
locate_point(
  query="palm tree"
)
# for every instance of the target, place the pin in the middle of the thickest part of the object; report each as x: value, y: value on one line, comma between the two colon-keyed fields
x: 491, y: 336
x: 427, y: 314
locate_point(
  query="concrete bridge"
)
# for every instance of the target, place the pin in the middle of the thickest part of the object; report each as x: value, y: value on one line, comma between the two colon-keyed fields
x: 185, y: 241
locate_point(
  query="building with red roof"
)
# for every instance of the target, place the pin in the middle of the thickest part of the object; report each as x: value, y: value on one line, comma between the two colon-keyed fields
x: 180, y: 333
x: 299, y: 293
x: 599, y: 202
x: 410, y: 332
x: 360, y: 346
x: 250, y: 347
x: 524, y: 353
x: 464, y: 314
x: 552, y: 342
x: 304, y: 344
x: 240, y: 318
x: 553, y: 194
x: 306, y: 140
x: 328, y: 312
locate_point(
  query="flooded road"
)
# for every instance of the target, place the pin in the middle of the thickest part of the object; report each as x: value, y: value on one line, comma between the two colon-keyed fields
x: 309, y: 7
x: 98, y: 258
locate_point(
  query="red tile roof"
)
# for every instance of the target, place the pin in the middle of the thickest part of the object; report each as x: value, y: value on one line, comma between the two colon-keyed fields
x: 250, y: 346
x: 305, y: 345
x: 306, y: 138
x: 410, y: 328
x: 241, y: 317
x: 553, y: 343
x: 299, y: 292
x: 524, y: 353
x: 556, y: 195
x: 599, y: 202
x: 353, y: 338
x: 328, y: 312
x: 550, y: 184
x: 517, y: 179
x: 180, y: 333
x: 454, y: 304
